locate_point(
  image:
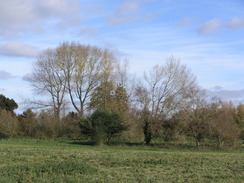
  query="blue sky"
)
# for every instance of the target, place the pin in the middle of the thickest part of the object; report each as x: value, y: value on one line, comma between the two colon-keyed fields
x: 207, y: 35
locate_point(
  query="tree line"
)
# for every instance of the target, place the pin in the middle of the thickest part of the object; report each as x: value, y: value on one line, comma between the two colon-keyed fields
x: 166, y: 103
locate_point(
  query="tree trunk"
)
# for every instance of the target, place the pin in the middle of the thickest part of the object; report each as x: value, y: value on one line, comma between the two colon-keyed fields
x: 99, y: 138
x: 220, y: 142
x: 147, y: 133
x: 197, y: 142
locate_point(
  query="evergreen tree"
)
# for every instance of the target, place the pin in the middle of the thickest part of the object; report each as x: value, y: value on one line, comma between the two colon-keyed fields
x: 7, y: 104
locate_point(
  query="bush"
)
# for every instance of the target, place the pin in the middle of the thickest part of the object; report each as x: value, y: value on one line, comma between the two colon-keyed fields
x: 27, y: 123
x: 70, y: 126
x: 102, y: 125
x: 8, y: 124
x: 47, y: 125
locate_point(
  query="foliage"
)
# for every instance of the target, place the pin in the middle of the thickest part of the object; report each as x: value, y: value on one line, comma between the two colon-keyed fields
x: 107, y: 96
x: 27, y: 123
x: 70, y: 125
x: 102, y: 125
x: 102, y: 97
x: 196, y: 122
x: 171, y: 129
x: 222, y: 126
x: 7, y: 104
x: 8, y: 124
x: 213, y: 120
x: 240, y: 119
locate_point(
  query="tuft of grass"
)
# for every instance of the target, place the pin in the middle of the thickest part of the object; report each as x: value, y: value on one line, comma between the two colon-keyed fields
x: 45, y: 172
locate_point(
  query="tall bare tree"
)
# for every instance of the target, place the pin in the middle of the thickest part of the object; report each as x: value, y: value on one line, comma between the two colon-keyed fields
x: 84, y: 67
x: 163, y: 92
x: 48, y: 78
x: 72, y: 69
x: 124, y: 78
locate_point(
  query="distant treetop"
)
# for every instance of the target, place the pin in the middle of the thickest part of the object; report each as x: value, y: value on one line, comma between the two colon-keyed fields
x: 7, y: 104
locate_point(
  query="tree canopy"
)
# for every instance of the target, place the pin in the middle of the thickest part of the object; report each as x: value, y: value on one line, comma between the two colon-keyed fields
x: 7, y: 104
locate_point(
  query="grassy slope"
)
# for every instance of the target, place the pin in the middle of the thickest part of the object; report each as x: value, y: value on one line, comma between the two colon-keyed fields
x: 47, y: 161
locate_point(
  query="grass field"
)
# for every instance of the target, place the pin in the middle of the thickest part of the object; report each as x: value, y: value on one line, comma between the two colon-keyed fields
x: 63, y: 161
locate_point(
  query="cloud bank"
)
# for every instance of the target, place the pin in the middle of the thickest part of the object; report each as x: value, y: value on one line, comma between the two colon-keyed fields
x: 236, y: 24
x: 125, y: 12
x: 5, y: 75
x: 212, y: 26
x: 24, y: 16
x: 209, y: 27
x: 18, y: 49
x: 236, y: 96
x: 185, y: 21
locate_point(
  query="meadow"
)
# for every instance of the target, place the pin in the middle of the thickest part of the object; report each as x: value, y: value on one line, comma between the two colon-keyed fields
x: 35, y: 160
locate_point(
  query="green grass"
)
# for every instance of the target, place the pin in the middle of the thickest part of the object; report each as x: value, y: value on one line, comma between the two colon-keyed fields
x: 34, y: 160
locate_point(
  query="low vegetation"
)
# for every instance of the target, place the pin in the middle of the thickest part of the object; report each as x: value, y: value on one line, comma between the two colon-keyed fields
x: 35, y: 160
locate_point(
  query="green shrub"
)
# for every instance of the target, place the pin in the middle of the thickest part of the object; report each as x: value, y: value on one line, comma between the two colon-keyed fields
x: 102, y: 125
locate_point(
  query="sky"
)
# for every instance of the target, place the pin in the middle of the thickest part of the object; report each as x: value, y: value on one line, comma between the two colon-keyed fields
x: 206, y: 35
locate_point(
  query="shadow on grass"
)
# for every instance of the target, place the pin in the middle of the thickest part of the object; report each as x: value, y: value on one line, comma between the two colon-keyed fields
x: 134, y: 144
x: 162, y: 145
x: 80, y: 142
x: 90, y: 143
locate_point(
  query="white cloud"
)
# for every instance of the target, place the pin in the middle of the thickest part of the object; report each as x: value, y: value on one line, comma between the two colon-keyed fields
x: 210, y: 27
x: 236, y: 23
x: 18, y: 49
x: 216, y: 88
x: 89, y: 31
x: 27, y: 77
x: 149, y: 17
x: 95, y: 10
x: 214, y: 63
x: 23, y: 16
x: 52, y: 8
x: 5, y: 75
x: 16, y: 15
x: 125, y: 13
x: 129, y: 6
x: 3, y: 90
x: 185, y: 21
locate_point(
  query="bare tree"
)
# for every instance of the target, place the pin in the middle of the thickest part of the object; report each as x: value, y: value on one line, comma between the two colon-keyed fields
x: 210, y: 119
x: 124, y: 78
x: 196, y: 116
x: 72, y: 69
x: 48, y: 78
x: 163, y: 92
x: 84, y: 66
